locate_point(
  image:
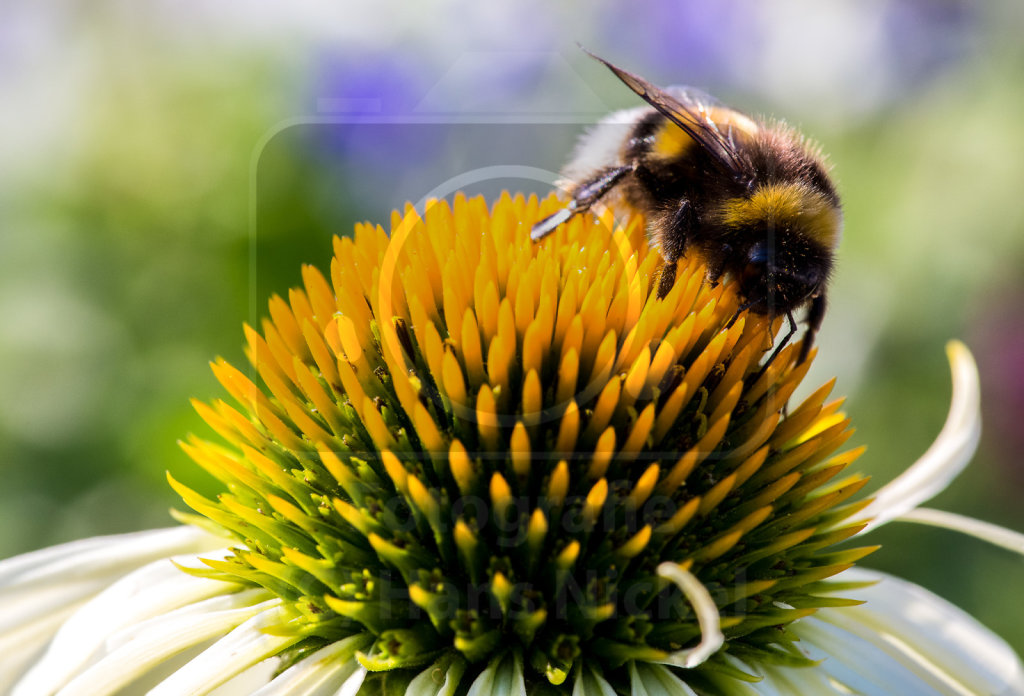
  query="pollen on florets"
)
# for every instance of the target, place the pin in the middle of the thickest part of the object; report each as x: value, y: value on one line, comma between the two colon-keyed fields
x: 466, y: 446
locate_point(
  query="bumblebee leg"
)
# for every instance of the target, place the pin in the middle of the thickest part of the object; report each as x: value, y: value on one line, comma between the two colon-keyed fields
x: 775, y: 353
x: 716, y: 266
x: 673, y: 245
x: 587, y: 194
x: 742, y: 308
x: 667, y: 278
x: 815, y: 315
x: 782, y: 343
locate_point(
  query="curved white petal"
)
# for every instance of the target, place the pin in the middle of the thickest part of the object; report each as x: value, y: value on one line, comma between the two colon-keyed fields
x: 331, y: 671
x: 904, y: 640
x: 986, y: 531
x: 249, y: 681
x: 136, y: 650
x: 590, y: 683
x: 503, y: 677
x: 242, y: 648
x: 35, y: 584
x: 41, y: 589
x: 24, y: 644
x: 439, y: 679
x: 704, y: 607
x: 646, y: 679
x: 151, y: 591
x: 946, y: 457
x: 100, y: 555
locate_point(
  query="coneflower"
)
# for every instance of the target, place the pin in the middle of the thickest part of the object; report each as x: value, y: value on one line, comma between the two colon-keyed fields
x: 468, y: 464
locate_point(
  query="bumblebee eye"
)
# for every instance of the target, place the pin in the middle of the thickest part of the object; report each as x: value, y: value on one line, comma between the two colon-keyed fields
x: 756, y: 266
x: 758, y: 255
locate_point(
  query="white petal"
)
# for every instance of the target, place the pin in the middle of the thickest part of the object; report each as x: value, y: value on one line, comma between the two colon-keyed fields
x: 947, y: 456
x: 590, y: 683
x: 904, y: 640
x: 41, y: 589
x: 438, y: 679
x: 96, y: 555
x: 331, y: 671
x: 245, y: 646
x: 503, y: 677
x: 711, y: 638
x: 986, y: 531
x: 35, y: 584
x: 22, y: 646
x: 137, y: 649
x: 249, y: 681
x: 646, y: 679
x: 153, y: 590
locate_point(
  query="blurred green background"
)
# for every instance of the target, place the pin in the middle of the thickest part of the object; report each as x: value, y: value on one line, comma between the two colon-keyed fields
x: 165, y: 167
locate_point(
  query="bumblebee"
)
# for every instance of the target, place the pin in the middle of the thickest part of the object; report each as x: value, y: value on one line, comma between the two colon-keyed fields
x: 753, y: 199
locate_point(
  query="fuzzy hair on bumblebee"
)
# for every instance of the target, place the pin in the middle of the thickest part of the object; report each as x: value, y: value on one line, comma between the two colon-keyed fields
x: 753, y: 199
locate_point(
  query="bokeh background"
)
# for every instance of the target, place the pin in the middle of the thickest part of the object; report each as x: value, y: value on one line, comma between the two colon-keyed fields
x: 164, y: 167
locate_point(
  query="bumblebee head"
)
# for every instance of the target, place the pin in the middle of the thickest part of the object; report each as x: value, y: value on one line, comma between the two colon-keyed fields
x: 785, y: 233
x: 776, y: 278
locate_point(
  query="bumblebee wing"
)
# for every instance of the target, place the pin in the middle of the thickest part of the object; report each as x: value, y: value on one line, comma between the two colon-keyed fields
x: 688, y: 109
x: 693, y: 98
x: 729, y: 123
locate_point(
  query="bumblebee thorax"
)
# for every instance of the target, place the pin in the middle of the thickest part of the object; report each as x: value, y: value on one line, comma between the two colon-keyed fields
x: 790, y: 207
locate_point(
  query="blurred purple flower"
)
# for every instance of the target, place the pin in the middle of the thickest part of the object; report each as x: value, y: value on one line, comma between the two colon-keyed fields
x: 1000, y: 341
x: 394, y: 126
x: 926, y: 37
x: 880, y: 51
x: 364, y: 92
x: 699, y: 43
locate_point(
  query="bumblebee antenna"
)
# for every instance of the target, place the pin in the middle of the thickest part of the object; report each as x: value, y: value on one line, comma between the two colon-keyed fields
x: 778, y: 349
x: 740, y: 310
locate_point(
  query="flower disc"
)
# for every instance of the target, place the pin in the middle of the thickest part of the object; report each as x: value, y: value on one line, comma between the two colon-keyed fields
x: 481, y: 460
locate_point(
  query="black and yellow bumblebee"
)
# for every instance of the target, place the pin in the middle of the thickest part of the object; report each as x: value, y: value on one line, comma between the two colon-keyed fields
x: 752, y: 198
